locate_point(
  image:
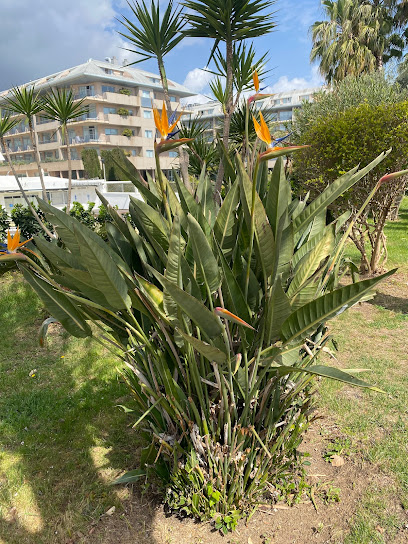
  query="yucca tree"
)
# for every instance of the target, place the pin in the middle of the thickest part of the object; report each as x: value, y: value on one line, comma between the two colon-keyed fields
x: 341, y: 43
x: 154, y: 35
x: 7, y: 124
x: 229, y: 23
x: 27, y: 102
x: 61, y: 106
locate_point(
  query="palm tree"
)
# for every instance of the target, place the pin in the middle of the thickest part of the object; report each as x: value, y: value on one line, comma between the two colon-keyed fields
x: 340, y: 43
x: 61, y: 106
x: 153, y: 36
x: 25, y: 101
x: 228, y: 22
x: 7, y: 124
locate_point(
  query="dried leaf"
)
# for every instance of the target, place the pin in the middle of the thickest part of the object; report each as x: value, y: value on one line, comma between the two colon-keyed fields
x: 337, y: 461
x: 110, y: 511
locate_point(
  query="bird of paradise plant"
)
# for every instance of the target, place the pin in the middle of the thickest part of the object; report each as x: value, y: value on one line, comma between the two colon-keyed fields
x: 14, y: 245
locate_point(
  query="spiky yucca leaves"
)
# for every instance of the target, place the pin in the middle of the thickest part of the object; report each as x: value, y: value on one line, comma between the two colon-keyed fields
x: 222, y: 382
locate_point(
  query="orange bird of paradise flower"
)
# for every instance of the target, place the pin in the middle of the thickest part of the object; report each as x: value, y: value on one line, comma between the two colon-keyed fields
x: 14, y: 244
x: 257, y: 95
x: 262, y: 130
x: 162, y: 122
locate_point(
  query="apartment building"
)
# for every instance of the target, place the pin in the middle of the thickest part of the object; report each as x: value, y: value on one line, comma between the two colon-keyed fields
x: 119, y: 102
x: 280, y: 105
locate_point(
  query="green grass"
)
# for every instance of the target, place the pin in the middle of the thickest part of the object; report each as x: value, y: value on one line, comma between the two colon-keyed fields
x: 62, y: 437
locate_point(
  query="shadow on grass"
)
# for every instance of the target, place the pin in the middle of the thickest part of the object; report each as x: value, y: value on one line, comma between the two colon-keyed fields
x: 62, y: 437
x: 389, y: 302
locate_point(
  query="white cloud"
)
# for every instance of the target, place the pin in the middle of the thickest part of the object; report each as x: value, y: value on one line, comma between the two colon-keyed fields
x: 198, y: 80
x: 284, y: 84
x: 195, y: 99
x: 42, y: 37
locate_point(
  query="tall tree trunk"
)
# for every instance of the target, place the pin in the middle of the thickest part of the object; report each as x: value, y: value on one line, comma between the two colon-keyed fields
x: 183, y: 157
x: 32, y: 210
x: 37, y: 157
x: 69, y: 171
x: 227, y: 117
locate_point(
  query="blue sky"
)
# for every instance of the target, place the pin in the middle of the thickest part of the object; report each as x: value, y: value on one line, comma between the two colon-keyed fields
x: 49, y: 38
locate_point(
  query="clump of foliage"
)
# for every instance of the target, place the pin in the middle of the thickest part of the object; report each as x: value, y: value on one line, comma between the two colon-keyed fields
x: 344, y: 134
x: 92, y: 165
x: 127, y: 132
x: 117, y: 167
x: 4, y: 223
x: 124, y: 91
x: 124, y: 112
x: 82, y: 214
x: 25, y: 220
x: 219, y: 315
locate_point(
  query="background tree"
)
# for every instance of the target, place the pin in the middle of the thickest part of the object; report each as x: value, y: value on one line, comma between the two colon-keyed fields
x: 26, y: 101
x: 153, y: 36
x: 228, y: 23
x: 357, y: 36
x: 6, y: 124
x: 61, y: 106
x: 92, y: 165
x: 348, y: 127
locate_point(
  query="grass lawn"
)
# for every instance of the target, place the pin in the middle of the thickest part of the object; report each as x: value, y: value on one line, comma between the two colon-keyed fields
x: 63, y: 439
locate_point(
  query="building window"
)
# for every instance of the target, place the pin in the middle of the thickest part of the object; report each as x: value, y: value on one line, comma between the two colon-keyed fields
x: 173, y: 154
x: 287, y: 100
x: 134, y: 154
x: 172, y: 98
x: 108, y: 89
x: 86, y: 90
x: 149, y: 153
x: 146, y: 94
x: 304, y: 97
x: 111, y: 131
x: 109, y: 110
x: 147, y: 114
x: 148, y: 134
x: 154, y: 80
x: 285, y: 115
x: 108, y: 71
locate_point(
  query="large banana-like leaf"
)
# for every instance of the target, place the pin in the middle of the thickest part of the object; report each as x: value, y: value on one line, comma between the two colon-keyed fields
x: 207, y: 266
x: 58, y: 305
x: 265, y: 242
x: 152, y: 224
x: 307, y: 318
x: 105, y: 274
x: 328, y: 372
x: 63, y: 223
x: 279, y: 196
x: 277, y: 309
x: 81, y: 281
x: 333, y: 191
x: 189, y: 205
x: 173, y: 267
x: 205, y: 197
x: 207, y: 350
x: 224, y: 224
x: 306, y: 267
x: 207, y: 321
x: 56, y: 255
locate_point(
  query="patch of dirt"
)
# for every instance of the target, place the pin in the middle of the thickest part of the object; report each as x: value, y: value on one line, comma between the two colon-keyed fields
x: 143, y: 521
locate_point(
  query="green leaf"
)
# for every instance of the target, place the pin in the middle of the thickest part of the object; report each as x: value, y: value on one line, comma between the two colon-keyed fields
x: 333, y: 191
x: 193, y: 308
x: 205, y: 197
x: 306, y: 267
x: 307, y: 318
x: 224, y: 224
x: 328, y: 372
x: 210, y: 352
x: 279, y: 196
x: 59, y: 305
x: 173, y: 266
x: 264, y: 238
x: 130, y: 477
x: 207, y: 266
x: 277, y: 309
x: 105, y: 274
x: 42, y: 333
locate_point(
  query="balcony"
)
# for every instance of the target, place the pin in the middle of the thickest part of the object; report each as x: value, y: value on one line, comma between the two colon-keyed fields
x: 121, y: 120
x: 45, y: 146
x: 122, y: 99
